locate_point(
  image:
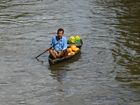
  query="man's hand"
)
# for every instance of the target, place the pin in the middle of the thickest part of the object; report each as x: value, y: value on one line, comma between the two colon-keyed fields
x: 59, y: 54
x: 47, y: 49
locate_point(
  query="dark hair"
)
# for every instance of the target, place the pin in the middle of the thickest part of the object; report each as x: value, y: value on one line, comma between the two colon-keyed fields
x: 60, y: 29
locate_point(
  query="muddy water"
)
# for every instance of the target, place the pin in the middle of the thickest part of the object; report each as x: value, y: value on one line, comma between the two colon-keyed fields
x: 107, y: 72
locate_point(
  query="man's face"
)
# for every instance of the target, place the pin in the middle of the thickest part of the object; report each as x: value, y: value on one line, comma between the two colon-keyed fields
x: 60, y: 34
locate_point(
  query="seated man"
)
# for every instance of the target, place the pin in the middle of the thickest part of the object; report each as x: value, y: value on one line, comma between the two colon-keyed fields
x: 59, y: 44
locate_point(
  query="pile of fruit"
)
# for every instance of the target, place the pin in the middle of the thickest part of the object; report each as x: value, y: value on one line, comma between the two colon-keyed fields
x: 72, y: 50
x: 74, y: 39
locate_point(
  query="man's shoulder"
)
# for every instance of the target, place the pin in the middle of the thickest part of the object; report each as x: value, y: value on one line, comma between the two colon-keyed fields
x: 54, y: 37
x: 64, y: 38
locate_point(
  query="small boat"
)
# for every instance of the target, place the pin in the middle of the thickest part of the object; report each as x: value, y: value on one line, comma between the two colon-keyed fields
x: 54, y: 61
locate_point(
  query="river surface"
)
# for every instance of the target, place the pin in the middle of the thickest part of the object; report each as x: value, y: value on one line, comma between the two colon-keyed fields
x: 107, y: 72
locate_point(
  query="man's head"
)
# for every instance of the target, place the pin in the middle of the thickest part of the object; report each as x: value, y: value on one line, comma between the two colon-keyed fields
x: 60, y: 33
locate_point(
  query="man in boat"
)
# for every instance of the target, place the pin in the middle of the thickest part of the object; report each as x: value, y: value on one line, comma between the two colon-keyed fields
x: 59, y: 44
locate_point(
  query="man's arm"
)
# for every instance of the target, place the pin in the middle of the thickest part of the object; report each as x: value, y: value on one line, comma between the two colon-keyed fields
x: 52, y: 42
x: 65, y: 45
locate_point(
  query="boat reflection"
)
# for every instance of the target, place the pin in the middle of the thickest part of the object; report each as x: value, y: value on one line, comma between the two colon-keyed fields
x: 59, y: 71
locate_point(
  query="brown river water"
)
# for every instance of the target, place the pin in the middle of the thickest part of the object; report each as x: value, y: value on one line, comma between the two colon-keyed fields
x: 107, y: 72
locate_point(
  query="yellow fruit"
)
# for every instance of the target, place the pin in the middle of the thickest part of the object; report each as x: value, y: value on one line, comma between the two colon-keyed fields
x: 77, y: 37
x: 72, y: 41
x: 72, y: 38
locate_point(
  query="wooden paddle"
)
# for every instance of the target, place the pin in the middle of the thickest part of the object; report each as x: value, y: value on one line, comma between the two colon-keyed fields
x: 45, y: 50
x: 43, y: 53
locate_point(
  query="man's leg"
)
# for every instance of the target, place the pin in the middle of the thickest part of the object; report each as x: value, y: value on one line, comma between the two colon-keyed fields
x: 53, y: 54
x: 63, y: 53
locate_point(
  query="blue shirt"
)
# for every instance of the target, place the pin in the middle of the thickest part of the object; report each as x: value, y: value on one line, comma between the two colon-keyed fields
x: 59, y: 45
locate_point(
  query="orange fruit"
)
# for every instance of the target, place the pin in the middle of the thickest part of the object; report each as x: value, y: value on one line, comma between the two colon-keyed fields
x: 69, y: 50
x: 72, y: 53
x: 73, y: 47
x: 77, y: 49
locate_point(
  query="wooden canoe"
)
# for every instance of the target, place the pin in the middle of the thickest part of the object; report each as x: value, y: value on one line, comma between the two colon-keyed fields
x: 55, y: 61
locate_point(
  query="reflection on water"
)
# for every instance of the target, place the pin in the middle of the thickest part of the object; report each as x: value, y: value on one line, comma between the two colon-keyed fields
x: 59, y: 71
